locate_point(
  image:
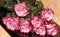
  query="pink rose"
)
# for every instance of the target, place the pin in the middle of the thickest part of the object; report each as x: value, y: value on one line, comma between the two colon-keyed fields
x: 40, y: 30
x: 25, y: 26
x: 36, y: 22
x: 51, y: 29
x: 46, y: 14
x: 21, y: 9
x: 11, y: 22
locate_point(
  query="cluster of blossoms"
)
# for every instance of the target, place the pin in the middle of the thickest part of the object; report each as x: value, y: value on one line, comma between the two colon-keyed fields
x: 40, y: 25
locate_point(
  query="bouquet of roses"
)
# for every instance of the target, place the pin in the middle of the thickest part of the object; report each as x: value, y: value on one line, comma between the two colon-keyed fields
x: 41, y: 22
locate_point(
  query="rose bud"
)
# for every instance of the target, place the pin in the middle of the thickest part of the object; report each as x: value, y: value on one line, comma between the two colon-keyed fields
x: 51, y: 29
x: 21, y: 9
x: 36, y: 22
x: 25, y: 26
x: 40, y: 30
x: 11, y: 22
x: 46, y: 14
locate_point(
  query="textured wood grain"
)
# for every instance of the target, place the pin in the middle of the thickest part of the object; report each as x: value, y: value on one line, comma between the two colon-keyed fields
x: 3, y: 33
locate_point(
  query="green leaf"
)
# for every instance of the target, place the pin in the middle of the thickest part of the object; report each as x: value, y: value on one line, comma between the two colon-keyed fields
x: 40, y: 6
x: 9, y: 4
x: 31, y: 1
x: 13, y: 14
x: 2, y: 3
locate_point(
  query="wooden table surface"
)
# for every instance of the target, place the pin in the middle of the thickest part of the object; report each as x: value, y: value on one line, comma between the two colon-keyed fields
x: 53, y: 4
x: 3, y: 33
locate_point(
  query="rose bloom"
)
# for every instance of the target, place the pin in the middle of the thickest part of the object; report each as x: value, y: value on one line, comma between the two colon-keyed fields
x: 11, y: 22
x: 21, y: 9
x: 25, y: 26
x: 36, y: 22
x: 51, y: 29
x: 40, y: 30
x: 46, y: 14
